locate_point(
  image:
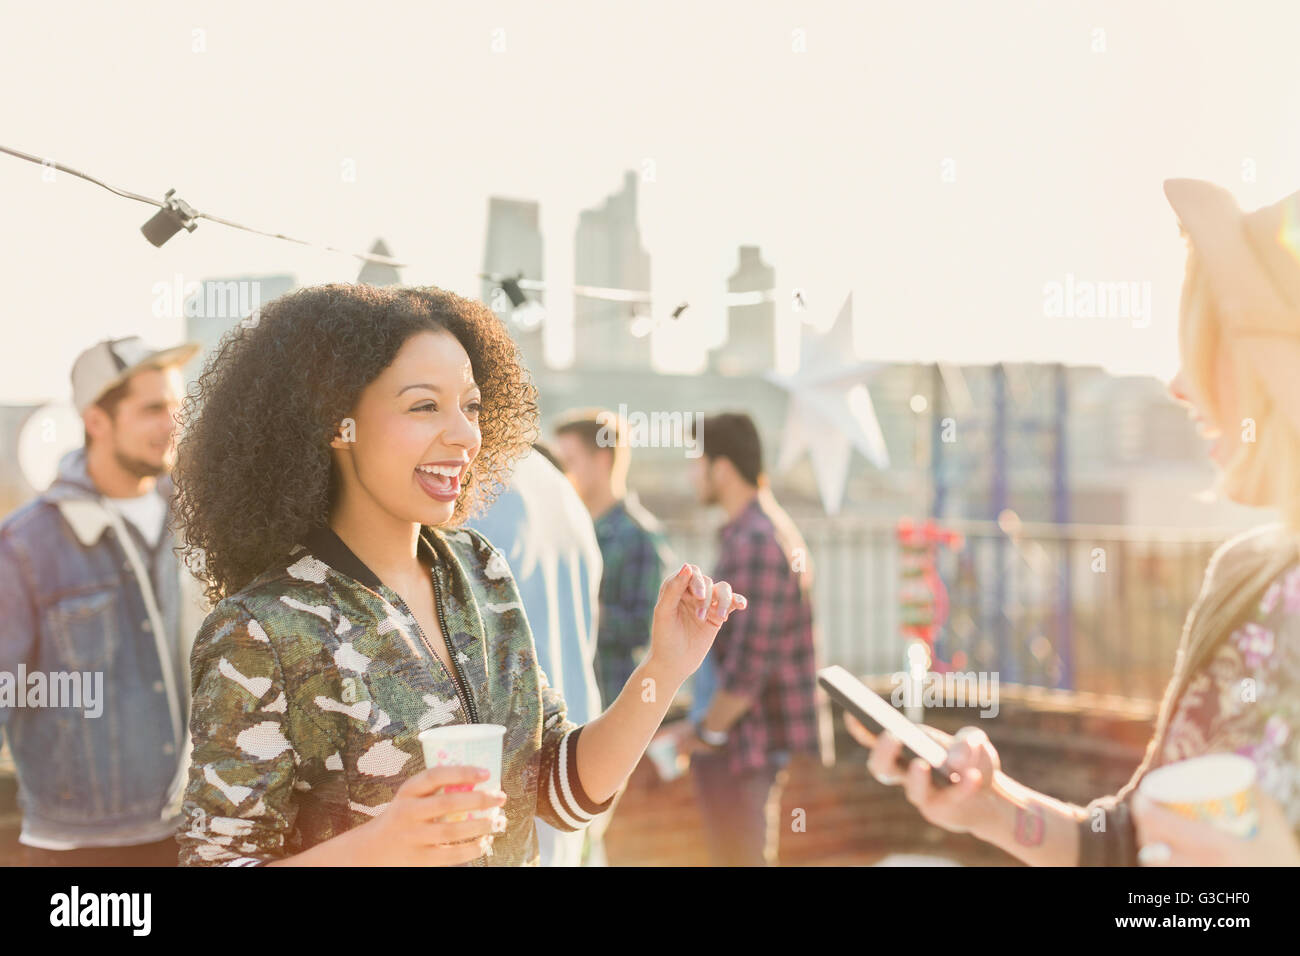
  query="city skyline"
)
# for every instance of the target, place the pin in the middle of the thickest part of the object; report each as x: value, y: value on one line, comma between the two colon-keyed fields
x: 788, y: 128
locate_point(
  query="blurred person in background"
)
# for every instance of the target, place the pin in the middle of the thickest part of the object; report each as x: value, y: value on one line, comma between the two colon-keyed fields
x: 539, y: 523
x: 1239, y: 338
x: 757, y: 707
x: 89, y: 584
x: 633, y: 549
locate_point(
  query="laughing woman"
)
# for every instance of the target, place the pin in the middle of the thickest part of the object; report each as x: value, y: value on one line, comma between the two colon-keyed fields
x: 331, y: 450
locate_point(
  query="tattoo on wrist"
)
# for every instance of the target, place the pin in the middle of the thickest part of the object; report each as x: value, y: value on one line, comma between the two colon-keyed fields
x: 1030, y: 825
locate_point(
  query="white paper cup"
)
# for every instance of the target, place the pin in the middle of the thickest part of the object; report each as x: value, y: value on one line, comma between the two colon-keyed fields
x: 466, y: 745
x: 1216, y: 788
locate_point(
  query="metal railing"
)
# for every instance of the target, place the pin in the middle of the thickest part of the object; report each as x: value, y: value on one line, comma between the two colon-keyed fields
x: 1083, y: 607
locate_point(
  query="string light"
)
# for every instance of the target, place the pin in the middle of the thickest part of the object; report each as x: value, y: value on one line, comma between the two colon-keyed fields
x: 175, y: 214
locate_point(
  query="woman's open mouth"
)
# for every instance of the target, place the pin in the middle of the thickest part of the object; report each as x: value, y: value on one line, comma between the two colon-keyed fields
x: 440, y: 481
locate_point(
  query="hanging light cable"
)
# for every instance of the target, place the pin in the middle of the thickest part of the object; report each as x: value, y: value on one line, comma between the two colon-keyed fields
x: 175, y: 214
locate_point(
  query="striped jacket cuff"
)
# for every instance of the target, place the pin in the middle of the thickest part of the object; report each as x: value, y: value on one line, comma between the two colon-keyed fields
x: 564, y: 790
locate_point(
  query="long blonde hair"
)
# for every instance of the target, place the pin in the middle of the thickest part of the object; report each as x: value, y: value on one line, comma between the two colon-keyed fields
x: 1265, y: 469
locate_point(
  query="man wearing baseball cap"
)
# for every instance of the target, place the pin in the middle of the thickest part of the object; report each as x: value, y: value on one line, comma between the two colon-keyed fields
x: 93, y: 597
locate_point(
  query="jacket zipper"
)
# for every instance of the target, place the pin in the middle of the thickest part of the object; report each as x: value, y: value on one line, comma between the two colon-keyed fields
x: 451, y: 649
x: 462, y: 686
x: 458, y: 678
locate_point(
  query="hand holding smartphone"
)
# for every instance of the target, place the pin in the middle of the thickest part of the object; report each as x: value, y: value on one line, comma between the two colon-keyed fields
x: 878, y: 715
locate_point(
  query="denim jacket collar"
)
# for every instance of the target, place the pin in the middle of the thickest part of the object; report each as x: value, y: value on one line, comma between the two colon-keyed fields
x: 81, y: 503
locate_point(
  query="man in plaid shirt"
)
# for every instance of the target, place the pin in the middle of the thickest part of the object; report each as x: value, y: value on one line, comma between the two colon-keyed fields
x: 762, y: 665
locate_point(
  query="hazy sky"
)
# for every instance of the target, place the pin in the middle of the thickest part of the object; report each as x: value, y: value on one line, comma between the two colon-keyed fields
x: 944, y: 162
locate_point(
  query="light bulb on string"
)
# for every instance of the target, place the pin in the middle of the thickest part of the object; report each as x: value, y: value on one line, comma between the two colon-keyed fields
x: 528, y: 316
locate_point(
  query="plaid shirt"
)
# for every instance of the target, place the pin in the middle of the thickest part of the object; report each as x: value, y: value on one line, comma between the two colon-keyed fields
x: 766, y: 652
x: 635, y: 556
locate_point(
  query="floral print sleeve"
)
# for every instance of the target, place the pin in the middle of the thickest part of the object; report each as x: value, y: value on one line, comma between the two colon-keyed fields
x: 239, y: 805
x: 1246, y: 698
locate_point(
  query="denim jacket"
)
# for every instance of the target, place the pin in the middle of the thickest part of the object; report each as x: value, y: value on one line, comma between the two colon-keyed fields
x: 313, y: 683
x: 81, y: 591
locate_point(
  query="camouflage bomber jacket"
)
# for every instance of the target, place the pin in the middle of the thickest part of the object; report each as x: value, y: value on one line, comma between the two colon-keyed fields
x: 312, y: 683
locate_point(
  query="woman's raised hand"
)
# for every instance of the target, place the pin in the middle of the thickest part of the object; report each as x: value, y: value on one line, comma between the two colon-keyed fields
x: 413, y: 830
x: 690, y: 610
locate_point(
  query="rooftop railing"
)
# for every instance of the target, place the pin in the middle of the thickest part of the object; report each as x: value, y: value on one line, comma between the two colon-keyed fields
x: 1082, y: 607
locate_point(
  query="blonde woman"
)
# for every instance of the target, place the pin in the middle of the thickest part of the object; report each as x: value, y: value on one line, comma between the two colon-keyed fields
x: 1236, y: 682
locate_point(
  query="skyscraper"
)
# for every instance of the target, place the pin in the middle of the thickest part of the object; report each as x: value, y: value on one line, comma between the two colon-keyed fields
x: 608, y: 254
x: 750, y: 345
x: 514, y: 246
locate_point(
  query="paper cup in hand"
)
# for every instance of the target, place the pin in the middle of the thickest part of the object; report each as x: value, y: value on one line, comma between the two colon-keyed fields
x: 1217, y: 788
x: 466, y: 745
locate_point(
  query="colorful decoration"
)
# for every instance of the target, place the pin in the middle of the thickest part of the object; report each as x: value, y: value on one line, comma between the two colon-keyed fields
x: 923, y: 599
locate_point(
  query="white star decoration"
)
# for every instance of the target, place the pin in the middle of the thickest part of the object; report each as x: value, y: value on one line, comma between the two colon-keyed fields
x: 830, y: 411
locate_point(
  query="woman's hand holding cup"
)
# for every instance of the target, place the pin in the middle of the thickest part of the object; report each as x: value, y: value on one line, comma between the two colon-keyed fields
x: 412, y: 830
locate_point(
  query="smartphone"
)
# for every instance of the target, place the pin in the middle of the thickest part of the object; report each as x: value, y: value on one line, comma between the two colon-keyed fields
x: 878, y: 715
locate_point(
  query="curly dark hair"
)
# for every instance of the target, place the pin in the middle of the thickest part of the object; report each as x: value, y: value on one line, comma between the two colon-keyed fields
x: 254, y: 470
